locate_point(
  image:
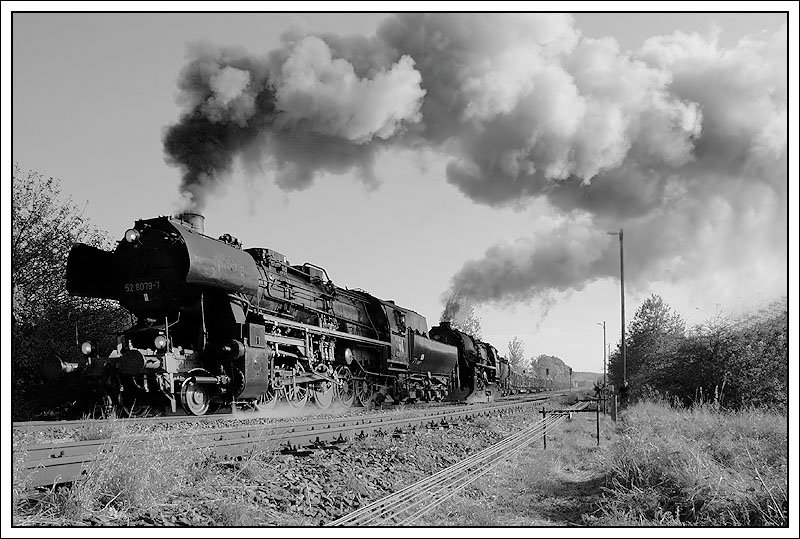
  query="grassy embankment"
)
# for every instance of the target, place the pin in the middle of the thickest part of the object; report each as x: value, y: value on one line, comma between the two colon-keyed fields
x: 703, y: 466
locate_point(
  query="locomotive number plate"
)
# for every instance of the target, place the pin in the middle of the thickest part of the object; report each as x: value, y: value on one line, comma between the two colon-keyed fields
x: 142, y: 287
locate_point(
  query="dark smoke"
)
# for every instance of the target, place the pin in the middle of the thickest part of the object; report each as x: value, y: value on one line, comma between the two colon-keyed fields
x: 452, y: 306
x: 230, y: 102
x: 300, y: 109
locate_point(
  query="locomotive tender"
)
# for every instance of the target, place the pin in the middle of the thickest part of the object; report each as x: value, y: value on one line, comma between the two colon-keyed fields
x: 218, y: 324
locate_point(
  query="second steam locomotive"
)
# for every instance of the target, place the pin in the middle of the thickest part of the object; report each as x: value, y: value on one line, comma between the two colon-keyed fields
x: 216, y: 324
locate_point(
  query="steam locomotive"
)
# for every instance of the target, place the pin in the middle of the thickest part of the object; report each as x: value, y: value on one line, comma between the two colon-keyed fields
x: 216, y: 324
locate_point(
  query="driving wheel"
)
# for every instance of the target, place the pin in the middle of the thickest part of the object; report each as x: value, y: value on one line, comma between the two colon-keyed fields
x: 345, y: 388
x: 363, y: 391
x: 296, y: 395
x: 268, y: 400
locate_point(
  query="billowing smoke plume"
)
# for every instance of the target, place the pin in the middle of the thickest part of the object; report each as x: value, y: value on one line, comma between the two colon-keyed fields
x: 682, y: 143
x: 300, y: 108
x: 229, y: 100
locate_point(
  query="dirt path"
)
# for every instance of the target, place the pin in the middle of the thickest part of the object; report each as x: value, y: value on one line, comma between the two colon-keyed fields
x: 556, y: 487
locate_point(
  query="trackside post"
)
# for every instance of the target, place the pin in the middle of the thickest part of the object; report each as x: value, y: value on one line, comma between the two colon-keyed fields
x: 544, y: 429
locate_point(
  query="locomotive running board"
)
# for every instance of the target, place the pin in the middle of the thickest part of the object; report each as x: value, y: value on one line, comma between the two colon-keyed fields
x: 323, y: 331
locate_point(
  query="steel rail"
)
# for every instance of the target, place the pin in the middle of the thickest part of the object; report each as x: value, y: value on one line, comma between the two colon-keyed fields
x: 57, y: 463
x: 447, y: 482
x: 74, y: 448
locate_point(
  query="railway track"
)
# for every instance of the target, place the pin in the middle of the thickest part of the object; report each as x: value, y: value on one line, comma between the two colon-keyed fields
x: 53, y: 463
x: 239, y: 415
x: 405, y: 506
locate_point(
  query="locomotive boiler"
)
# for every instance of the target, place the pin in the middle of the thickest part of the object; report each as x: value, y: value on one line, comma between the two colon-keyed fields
x: 218, y: 324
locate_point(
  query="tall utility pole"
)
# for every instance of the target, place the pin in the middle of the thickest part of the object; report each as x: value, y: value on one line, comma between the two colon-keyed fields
x: 622, y: 309
x: 622, y: 303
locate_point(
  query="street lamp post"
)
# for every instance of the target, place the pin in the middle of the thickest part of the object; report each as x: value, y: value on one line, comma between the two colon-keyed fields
x: 603, y: 392
x: 624, y: 388
x: 604, y: 350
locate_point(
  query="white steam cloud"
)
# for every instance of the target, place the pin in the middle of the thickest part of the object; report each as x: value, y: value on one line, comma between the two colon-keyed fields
x: 326, y: 93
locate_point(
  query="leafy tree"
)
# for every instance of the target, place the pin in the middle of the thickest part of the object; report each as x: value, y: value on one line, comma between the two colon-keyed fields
x: 732, y: 362
x: 45, y: 225
x: 467, y: 321
x: 516, y: 354
x: 652, y: 336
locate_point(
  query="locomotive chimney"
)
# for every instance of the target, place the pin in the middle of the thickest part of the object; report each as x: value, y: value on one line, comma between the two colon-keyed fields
x: 445, y: 324
x: 195, y: 221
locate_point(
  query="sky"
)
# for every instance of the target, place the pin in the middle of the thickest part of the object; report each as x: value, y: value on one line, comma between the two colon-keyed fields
x: 429, y: 158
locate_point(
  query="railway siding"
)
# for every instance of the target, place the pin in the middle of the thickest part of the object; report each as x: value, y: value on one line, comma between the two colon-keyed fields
x: 405, y: 506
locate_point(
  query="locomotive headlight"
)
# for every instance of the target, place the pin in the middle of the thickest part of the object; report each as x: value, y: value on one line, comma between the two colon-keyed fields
x: 86, y: 348
x: 132, y: 235
x: 160, y: 342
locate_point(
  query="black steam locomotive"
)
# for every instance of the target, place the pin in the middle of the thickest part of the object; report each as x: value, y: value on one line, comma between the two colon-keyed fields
x: 216, y: 324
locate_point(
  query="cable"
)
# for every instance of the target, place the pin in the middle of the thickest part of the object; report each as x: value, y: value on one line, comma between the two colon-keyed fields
x: 450, y: 480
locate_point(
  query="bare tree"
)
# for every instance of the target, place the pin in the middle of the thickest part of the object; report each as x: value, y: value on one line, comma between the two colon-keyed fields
x: 467, y: 321
x: 45, y: 225
x: 516, y: 354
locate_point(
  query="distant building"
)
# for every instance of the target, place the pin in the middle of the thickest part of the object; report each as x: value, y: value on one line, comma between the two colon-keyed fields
x: 551, y: 368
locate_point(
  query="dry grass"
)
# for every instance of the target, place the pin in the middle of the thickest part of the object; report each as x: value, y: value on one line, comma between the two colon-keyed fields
x: 701, y: 466
x: 127, y: 481
x: 660, y: 466
x: 137, y: 479
x: 99, y: 429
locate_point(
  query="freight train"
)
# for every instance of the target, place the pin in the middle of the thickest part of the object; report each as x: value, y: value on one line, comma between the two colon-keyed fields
x: 215, y: 324
x: 521, y: 382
